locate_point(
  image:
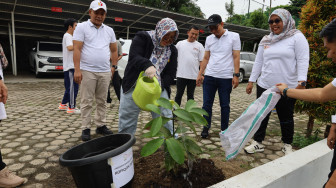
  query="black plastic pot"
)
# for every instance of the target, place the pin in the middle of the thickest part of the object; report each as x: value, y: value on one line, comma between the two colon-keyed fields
x: 101, y: 162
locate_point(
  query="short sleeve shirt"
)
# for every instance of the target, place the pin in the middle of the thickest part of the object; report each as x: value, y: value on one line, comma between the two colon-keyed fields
x: 221, y: 64
x: 67, y: 55
x: 95, y: 54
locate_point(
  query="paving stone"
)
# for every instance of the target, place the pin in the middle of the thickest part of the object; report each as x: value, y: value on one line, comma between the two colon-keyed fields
x: 26, y: 158
x: 40, y: 145
x: 15, y: 167
x: 14, y: 154
x: 12, y: 144
x: 53, y: 158
x: 42, y: 176
x: 274, y: 148
x: 267, y: 151
x: 211, y: 147
x: 4, y: 142
x: 280, y: 153
x: 204, y: 156
x: 5, y: 151
x: 37, y: 137
x: 44, y: 154
x: 264, y: 161
x: 254, y: 165
x: 27, y: 171
x: 8, y: 161
x: 266, y: 143
x: 246, y: 158
x: 38, y: 162
x: 48, y: 165
x: 52, y: 148
x: 57, y: 142
x: 205, y: 141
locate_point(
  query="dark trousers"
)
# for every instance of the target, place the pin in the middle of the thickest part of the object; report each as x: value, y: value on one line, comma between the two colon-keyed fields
x: 285, y: 111
x: 210, y: 87
x: 2, y: 164
x: 116, y: 82
x: 71, y: 89
x: 181, y: 84
x: 332, y: 166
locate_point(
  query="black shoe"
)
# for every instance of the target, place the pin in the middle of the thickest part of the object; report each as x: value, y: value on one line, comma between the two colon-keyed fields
x: 103, y: 130
x: 205, y: 132
x: 86, y: 135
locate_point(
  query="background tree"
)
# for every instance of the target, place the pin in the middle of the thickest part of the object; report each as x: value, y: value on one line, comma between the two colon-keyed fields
x: 229, y: 8
x: 314, y: 16
x: 188, y: 7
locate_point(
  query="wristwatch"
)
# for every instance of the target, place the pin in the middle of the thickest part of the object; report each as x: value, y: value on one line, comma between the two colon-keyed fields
x: 115, y: 66
x: 236, y: 74
x: 284, y: 92
x: 304, y: 83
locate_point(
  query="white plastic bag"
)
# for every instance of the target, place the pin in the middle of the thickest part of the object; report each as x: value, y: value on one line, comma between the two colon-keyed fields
x: 235, y: 137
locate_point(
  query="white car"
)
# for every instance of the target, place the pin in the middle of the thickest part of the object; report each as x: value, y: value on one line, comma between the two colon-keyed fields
x: 126, y: 45
x: 46, y: 57
x: 246, y: 63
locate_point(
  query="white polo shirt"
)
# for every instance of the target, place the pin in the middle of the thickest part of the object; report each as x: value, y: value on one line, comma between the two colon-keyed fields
x: 95, y: 55
x: 221, y: 64
x: 67, y: 55
x: 189, y: 56
x: 334, y: 82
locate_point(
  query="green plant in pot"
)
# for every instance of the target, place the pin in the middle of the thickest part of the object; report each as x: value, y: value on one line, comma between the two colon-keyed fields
x: 178, y: 146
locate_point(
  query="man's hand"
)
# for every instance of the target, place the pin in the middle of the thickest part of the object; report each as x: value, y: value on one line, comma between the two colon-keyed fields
x: 332, y: 136
x: 235, y: 82
x: 199, y: 80
x: 150, y: 72
x: 78, y: 76
x: 249, y: 88
x: 3, y: 92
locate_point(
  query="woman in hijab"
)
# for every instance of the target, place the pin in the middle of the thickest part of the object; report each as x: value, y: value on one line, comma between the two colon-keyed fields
x: 283, y: 57
x: 152, y: 52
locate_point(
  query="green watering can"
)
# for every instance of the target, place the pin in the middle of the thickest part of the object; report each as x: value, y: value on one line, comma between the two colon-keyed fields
x: 146, y: 91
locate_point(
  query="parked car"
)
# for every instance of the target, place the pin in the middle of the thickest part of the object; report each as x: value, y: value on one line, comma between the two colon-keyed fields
x: 126, y: 45
x: 246, y: 63
x: 46, y: 57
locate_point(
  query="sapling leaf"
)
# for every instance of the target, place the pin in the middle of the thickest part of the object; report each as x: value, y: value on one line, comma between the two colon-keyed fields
x: 189, y: 124
x: 165, y: 103
x: 183, y: 114
x: 151, y: 147
x: 199, y: 119
x: 153, y: 108
x: 156, y: 125
x: 190, y: 104
x: 147, y: 135
x: 165, y: 132
x: 199, y: 111
x: 192, y: 147
x: 175, y: 150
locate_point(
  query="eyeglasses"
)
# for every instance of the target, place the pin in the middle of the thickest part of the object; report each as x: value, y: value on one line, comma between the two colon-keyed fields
x: 168, y: 39
x: 213, y: 27
x: 274, y: 21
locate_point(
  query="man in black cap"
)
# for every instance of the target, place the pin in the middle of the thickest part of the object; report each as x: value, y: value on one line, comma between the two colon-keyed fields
x: 219, y: 70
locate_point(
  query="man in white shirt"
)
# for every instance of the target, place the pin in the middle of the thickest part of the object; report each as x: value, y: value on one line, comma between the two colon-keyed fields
x: 221, y: 65
x: 71, y: 87
x: 94, y: 47
x: 190, y: 56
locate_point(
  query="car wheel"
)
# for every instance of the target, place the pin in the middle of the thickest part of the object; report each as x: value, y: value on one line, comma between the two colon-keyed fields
x: 241, y: 76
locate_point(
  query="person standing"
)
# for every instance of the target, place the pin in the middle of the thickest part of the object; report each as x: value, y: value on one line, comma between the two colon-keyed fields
x: 94, y: 47
x: 190, y: 56
x: 71, y: 87
x: 152, y: 52
x: 283, y: 56
x: 7, y: 178
x: 327, y: 93
x: 221, y: 65
x: 116, y: 80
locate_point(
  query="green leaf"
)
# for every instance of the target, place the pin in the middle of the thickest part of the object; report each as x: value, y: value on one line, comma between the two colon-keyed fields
x: 156, y: 125
x: 151, y: 147
x: 164, y: 120
x: 165, y: 103
x: 199, y: 111
x: 192, y: 127
x: 169, y: 163
x: 147, y: 135
x: 149, y: 124
x: 175, y: 105
x: 181, y: 129
x: 192, y: 147
x: 153, y: 108
x: 199, y: 119
x: 183, y: 114
x: 175, y: 150
x: 165, y: 132
x: 190, y: 104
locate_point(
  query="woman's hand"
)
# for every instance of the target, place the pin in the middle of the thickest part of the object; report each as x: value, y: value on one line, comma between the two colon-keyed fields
x: 150, y: 72
x: 249, y: 88
x: 281, y: 87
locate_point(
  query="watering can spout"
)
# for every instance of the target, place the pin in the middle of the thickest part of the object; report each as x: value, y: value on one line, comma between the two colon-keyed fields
x: 146, y: 91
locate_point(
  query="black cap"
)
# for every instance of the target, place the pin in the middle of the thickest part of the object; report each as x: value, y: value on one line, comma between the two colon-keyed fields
x: 214, y: 20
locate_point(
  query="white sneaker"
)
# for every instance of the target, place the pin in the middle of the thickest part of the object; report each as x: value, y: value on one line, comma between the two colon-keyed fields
x: 287, y: 149
x: 254, y: 147
x: 73, y: 111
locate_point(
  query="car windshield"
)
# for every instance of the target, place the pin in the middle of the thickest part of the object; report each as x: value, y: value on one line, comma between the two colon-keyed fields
x: 252, y: 57
x: 50, y: 47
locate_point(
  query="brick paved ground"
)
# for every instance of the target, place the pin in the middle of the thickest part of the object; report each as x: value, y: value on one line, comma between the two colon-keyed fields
x: 36, y: 133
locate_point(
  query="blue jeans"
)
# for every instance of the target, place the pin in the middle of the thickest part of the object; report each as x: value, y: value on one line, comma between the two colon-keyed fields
x: 224, y: 87
x: 129, y: 113
x: 71, y: 89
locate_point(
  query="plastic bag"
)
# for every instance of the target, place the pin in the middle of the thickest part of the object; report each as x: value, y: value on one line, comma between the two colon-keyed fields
x: 235, y: 137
